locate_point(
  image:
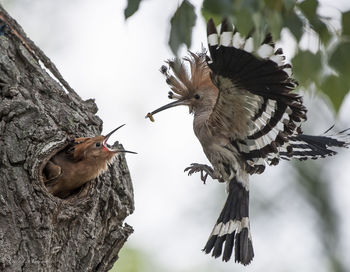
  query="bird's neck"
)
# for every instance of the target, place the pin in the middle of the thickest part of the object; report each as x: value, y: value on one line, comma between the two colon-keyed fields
x: 200, y: 125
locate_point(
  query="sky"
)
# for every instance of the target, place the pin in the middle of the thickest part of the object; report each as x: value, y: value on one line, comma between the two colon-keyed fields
x: 117, y: 62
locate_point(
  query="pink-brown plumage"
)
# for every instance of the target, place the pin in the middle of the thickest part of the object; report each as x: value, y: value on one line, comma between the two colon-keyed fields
x: 245, y: 115
x: 83, y: 160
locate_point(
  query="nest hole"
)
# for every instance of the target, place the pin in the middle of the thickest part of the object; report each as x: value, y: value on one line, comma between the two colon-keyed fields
x: 52, y: 174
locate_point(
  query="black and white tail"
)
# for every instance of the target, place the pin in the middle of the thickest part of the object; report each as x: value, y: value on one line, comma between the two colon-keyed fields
x: 305, y: 147
x: 232, y: 229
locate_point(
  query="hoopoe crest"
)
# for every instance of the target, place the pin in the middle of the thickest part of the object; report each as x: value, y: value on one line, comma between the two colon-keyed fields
x: 246, y: 115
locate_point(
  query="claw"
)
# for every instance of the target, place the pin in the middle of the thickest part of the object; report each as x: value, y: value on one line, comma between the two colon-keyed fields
x: 205, y: 171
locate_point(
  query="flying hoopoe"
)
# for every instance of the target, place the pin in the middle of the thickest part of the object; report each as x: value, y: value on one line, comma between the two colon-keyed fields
x: 82, y: 161
x: 245, y: 115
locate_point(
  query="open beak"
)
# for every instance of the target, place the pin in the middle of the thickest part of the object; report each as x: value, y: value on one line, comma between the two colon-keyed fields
x: 167, y: 106
x: 108, y: 148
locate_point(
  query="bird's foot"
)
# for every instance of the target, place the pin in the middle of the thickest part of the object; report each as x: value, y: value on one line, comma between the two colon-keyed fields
x: 204, y: 169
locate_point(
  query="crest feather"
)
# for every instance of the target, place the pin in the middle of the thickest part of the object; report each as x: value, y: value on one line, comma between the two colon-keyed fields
x: 183, y: 81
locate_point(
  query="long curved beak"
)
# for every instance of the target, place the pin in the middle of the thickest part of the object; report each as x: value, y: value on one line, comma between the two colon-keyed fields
x: 125, y: 151
x: 114, y: 130
x: 167, y: 106
x: 111, y: 149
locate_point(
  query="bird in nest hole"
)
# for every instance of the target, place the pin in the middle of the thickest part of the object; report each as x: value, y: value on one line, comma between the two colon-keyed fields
x: 82, y: 160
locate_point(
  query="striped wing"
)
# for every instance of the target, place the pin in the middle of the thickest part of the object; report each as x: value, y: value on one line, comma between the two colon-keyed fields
x: 314, y: 147
x: 255, y: 107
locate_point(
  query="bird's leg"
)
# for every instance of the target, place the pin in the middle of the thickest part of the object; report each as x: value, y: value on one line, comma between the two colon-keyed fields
x: 204, y: 169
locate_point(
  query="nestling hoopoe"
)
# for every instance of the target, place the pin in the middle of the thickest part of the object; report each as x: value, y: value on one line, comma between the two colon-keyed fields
x: 82, y: 161
x: 245, y: 115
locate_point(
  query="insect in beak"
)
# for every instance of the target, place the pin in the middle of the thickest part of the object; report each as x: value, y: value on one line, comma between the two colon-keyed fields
x: 167, y: 106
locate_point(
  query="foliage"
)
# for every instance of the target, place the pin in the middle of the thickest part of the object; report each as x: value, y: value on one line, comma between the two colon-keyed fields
x: 182, y: 23
x: 134, y: 260
x: 317, y: 192
x: 327, y: 68
x: 132, y: 7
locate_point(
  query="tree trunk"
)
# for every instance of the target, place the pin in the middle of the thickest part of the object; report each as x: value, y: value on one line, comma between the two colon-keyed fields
x: 38, y: 116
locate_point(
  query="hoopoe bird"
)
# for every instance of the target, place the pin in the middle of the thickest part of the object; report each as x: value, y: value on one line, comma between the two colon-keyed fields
x: 245, y: 115
x: 83, y: 160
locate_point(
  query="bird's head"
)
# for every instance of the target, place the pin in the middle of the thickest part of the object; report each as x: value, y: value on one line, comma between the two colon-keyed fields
x: 96, y: 148
x: 192, y: 88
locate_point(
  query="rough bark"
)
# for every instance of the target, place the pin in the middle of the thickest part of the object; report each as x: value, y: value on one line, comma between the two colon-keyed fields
x: 38, y: 115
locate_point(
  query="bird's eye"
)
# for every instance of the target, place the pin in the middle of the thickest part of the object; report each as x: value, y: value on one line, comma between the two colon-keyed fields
x: 197, y: 96
x: 98, y: 144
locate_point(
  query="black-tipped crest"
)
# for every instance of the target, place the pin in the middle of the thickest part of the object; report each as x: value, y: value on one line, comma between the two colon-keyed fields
x: 184, y: 81
x: 163, y: 69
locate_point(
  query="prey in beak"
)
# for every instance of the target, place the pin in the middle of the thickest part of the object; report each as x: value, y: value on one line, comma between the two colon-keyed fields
x: 187, y: 85
x: 167, y: 106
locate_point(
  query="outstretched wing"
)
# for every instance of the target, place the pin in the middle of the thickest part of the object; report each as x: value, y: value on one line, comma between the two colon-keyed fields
x: 255, y: 107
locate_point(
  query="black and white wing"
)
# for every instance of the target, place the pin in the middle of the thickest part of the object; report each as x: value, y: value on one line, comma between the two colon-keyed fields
x: 257, y: 110
x: 256, y: 107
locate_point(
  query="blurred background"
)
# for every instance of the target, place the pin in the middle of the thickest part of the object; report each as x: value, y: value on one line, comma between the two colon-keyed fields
x: 299, y: 211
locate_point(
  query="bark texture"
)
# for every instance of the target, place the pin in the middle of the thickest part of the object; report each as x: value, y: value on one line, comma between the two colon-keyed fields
x: 39, y: 232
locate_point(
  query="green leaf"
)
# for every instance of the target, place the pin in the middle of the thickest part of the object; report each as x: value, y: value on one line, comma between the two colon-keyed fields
x: 307, y: 67
x: 182, y: 23
x: 295, y: 25
x: 251, y: 5
x: 132, y: 7
x: 339, y: 59
x: 261, y: 30
x: 321, y: 29
x: 208, y: 15
x: 275, y: 23
x: 276, y: 5
x: 243, y: 21
x: 336, y: 89
x: 309, y: 7
x: 345, y: 21
x: 218, y: 7
x: 289, y: 4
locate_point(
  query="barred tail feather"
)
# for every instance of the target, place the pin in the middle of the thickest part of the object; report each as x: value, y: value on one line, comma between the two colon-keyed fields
x: 315, y: 147
x: 232, y: 227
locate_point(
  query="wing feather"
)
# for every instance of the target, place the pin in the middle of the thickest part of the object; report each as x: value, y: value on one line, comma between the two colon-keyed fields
x: 255, y: 107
